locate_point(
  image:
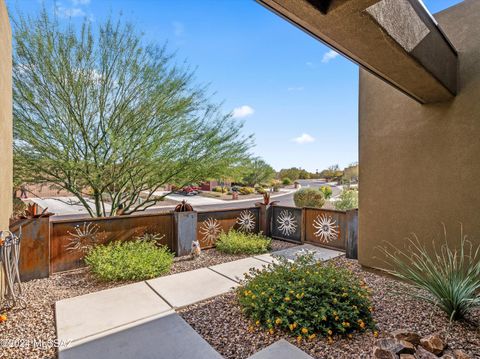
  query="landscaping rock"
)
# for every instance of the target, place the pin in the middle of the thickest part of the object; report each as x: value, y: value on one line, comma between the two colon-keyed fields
x: 407, y: 356
x: 396, y: 346
x: 407, y: 335
x: 433, y: 344
x: 460, y: 354
x: 422, y: 353
x: 447, y: 356
x: 380, y: 353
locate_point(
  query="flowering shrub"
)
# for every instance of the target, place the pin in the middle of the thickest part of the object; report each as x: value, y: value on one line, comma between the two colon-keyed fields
x: 235, y: 242
x: 246, y: 190
x: 307, y: 299
x: 133, y: 260
x: 348, y: 200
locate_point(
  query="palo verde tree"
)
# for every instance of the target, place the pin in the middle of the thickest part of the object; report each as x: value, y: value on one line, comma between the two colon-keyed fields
x: 111, y: 119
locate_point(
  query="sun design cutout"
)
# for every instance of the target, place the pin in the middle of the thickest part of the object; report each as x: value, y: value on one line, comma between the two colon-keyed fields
x: 210, y: 230
x: 326, y: 228
x: 286, y: 223
x: 246, y: 221
x: 84, y: 238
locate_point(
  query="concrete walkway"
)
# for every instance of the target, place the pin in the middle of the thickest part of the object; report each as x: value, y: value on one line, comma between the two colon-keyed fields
x: 100, y: 323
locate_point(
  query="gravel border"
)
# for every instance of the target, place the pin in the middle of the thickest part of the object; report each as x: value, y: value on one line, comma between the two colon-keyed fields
x: 37, y: 321
x: 222, y: 324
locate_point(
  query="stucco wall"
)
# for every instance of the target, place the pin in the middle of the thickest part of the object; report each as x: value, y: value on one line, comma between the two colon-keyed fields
x: 5, y: 117
x: 420, y: 164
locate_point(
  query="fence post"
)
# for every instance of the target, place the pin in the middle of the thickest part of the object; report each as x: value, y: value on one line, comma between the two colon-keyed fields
x: 352, y: 235
x: 263, y: 218
x: 185, y: 231
x: 303, y: 234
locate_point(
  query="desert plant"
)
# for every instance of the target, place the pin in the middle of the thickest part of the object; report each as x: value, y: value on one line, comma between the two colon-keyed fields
x: 286, y: 181
x: 348, y: 200
x: 306, y: 298
x: 219, y: 189
x: 132, y: 260
x: 183, y: 207
x: 448, y: 278
x: 246, y: 190
x: 236, y: 242
x: 309, y: 197
x: 327, y: 191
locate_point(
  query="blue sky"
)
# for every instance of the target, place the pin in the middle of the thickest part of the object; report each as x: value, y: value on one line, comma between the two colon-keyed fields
x: 299, y: 99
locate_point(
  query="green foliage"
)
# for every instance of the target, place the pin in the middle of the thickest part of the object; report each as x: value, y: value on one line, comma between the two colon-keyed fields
x: 235, y: 242
x: 450, y: 276
x: 327, y: 191
x: 309, y: 197
x: 332, y: 173
x: 131, y: 260
x: 107, y: 111
x: 294, y: 173
x: 348, y: 200
x: 286, y: 181
x: 246, y: 190
x: 260, y: 190
x: 306, y: 299
x: 257, y: 171
x: 220, y: 189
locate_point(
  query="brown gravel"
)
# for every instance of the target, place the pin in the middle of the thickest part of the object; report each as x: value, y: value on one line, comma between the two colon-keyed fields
x: 37, y: 322
x: 222, y: 324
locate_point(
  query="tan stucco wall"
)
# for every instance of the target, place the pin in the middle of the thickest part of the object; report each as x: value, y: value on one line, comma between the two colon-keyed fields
x: 5, y: 117
x: 420, y: 164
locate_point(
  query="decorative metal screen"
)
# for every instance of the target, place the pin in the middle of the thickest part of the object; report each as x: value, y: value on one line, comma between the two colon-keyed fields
x: 286, y: 223
x: 212, y: 223
x: 326, y: 227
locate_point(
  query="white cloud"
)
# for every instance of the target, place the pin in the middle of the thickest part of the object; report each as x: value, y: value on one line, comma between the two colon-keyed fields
x: 295, y: 88
x: 242, y: 111
x: 304, y: 138
x: 69, y: 11
x: 330, y: 55
x: 178, y: 28
x: 80, y: 2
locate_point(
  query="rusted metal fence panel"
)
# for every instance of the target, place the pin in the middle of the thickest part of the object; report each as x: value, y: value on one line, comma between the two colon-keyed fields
x: 212, y: 223
x: 104, y: 230
x: 326, y: 227
x: 286, y: 223
x: 34, y: 248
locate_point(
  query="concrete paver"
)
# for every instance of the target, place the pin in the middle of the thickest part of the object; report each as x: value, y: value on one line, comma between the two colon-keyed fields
x: 281, y: 350
x: 186, y: 288
x: 236, y: 270
x: 169, y: 337
x: 92, y: 314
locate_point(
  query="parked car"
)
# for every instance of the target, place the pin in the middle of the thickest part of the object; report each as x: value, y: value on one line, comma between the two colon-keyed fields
x: 189, y: 190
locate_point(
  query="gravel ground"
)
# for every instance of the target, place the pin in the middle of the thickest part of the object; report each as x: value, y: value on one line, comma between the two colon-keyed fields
x: 222, y: 324
x: 37, y: 322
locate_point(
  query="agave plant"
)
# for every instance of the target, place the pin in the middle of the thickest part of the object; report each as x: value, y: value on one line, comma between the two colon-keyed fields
x: 449, y: 276
x: 183, y: 207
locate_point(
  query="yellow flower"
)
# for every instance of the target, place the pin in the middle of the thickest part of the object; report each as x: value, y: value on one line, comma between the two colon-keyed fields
x: 375, y: 334
x: 257, y: 322
x: 345, y: 295
x: 278, y: 321
x: 271, y: 331
x: 350, y: 336
x: 287, y: 299
x: 253, y: 296
x: 329, y: 332
x: 250, y: 328
x: 362, y: 325
x: 370, y: 309
x: 3, y: 318
x: 330, y: 340
x: 290, y: 312
x: 312, y: 336
x: 337, y: 318
x: 334, y: 300
x: 324, y: 318
x: 299, y: 339
x: 346, y: 324
x: 334, y: 312
x: 304, y: 330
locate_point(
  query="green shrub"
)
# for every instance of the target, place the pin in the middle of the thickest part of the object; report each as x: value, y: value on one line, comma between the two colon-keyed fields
x: 261, y: 190
x: 235, y: 242
x: 286, y: 181
x: 306, y: 299
x: 451, y: 277
x: 309, y: 197
x: 327, y: 191
x: 132, y: 260
x: 246, y: 190
x: 348, y: 200
x: 220, y: 189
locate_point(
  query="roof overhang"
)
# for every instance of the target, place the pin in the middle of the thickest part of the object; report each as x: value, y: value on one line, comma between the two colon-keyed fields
x: 397, y: 40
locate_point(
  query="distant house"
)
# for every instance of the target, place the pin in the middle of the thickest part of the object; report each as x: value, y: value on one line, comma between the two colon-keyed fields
x: 209, y: 185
